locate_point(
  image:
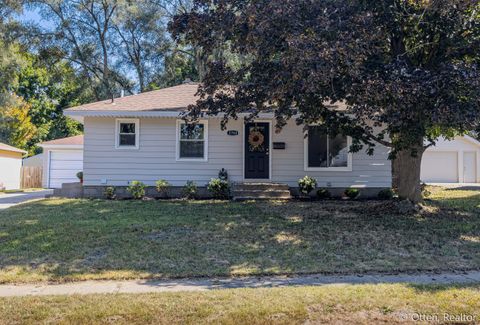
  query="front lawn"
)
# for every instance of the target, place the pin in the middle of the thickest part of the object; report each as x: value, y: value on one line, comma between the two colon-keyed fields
x: 66, y: 239
x: 338, y: 304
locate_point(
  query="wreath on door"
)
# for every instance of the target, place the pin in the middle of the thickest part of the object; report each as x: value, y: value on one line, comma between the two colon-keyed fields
x: 256, y: 140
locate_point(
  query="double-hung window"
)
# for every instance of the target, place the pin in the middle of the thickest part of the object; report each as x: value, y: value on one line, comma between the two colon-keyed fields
x: 192, y: 141
x: 127, y: 134
x: 327, y: 152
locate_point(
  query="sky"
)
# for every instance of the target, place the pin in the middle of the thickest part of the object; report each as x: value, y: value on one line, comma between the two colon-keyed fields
x: 33, y: 16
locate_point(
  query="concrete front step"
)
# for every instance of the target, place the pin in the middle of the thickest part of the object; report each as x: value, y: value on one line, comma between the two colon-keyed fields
x: 260, y: 191
x: 259, y: 198
x: 69, y: 190
x: 264, y: 193
x: 260, y: 186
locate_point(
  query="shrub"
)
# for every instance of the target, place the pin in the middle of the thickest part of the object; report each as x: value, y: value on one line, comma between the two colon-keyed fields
x: 190, y: 190
x: 385, y: 194
x: 323, y: 193
x: 219, y: 188
x: 162, y: 187
x: 80, y: 176
x: 307, y: 184
x: 136, y: 189
x: 352, y: 193
x: 109, y: 193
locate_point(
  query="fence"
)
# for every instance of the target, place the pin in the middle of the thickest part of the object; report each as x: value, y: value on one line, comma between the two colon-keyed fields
x: 31, y: 177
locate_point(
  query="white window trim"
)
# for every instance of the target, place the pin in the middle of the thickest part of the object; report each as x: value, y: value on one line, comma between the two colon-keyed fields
x: 117, y: 133
x: 205, y: 142
x: 349, y: 167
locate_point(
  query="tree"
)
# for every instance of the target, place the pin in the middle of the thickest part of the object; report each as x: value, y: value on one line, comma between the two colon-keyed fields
x: 83, y: 31
x: 407, y: 68
x: 16, y: 127
x: 179, y: 65
x: 142, y: 39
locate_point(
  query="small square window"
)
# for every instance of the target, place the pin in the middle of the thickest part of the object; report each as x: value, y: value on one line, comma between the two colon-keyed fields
x: 127, y: 136
x: 192, y: 142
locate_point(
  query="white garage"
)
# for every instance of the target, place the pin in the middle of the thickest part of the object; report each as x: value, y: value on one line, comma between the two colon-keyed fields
x: 455, y: 161
x: 10, y: 167
x: 62, y: 160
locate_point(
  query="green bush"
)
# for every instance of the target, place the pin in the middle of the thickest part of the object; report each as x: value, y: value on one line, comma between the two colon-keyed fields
x: 323, y: 193
x: 352, y: 193
x: 80, y: 176
x: 109, y: 193
x: 162, y: 187
x: 219, y: 188
x: 136, y: 189
x: 190, y: 190
x: 385, y: 194
x: 307, y: 184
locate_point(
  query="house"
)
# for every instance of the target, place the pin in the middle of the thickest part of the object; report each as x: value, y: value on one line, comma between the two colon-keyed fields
x: 10, y: 166
x: 455, y: 161
x: 142, y: 137
x: 62, y: 160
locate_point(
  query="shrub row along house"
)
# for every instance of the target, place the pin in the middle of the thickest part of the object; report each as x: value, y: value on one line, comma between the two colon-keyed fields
x: 143, y: 137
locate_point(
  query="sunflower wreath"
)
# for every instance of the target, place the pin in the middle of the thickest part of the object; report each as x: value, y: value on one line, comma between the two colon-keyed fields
x: 256, y: 140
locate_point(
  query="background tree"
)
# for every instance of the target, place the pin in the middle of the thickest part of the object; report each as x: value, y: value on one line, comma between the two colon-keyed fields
x: 83, y: 31
x: 142, y: 39
x: 408, y: 68
x: 16, y: 127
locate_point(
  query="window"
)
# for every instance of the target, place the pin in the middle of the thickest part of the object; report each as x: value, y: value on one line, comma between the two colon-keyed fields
x: 127, y: 133
x: 324, y: 152
x: 192, y: 141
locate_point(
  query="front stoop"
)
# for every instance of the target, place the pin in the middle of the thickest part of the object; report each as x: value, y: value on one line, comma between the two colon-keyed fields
x: 260, y: 191
x: 69, y: 190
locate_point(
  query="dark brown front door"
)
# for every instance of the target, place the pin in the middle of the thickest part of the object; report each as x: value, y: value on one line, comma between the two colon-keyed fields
x: 257, y: 150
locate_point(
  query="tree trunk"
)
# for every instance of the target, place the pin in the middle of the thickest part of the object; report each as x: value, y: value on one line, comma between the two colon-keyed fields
x: 406, y: 169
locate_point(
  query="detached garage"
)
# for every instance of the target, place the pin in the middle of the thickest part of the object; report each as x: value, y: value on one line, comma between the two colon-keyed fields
x: 62, y: 160
x: 455, y: 161
x: 10, y: 167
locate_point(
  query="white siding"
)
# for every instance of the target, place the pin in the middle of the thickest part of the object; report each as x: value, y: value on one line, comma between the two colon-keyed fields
x: 10, y: 166
x: 288, y: 165
x: 155, y: 158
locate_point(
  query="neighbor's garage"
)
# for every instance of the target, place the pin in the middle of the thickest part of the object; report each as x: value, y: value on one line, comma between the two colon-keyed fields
x: 455, y: 161
x: 63, y: 159
x: 10, y: 167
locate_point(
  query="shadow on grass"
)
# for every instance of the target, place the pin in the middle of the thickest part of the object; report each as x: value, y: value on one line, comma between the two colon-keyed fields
x: 95, y: 239
x: 433, y: 288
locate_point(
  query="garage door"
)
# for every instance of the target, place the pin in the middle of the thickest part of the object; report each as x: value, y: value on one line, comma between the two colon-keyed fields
x: 439, y: 167
x: 64, y: 166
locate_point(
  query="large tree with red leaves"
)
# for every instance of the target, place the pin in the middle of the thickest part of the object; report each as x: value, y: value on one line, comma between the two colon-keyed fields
x: 407, y: 66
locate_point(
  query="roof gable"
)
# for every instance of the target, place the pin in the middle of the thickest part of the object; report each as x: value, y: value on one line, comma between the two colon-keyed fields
x: 69, y: 141
x: 6, y: 147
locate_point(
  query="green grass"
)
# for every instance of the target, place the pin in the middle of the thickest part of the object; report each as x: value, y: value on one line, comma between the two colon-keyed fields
x: 68, y: 240
x: 341, y: 304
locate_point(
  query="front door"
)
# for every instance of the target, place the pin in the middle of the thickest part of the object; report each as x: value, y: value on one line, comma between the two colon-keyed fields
x: 257, y: 150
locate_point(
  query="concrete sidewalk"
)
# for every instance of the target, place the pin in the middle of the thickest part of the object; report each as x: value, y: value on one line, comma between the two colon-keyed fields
x: 146, y: 286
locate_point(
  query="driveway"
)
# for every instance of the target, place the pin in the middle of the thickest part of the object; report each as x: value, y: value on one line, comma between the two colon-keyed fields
x: 8, y: 200
x: 458, y: 186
